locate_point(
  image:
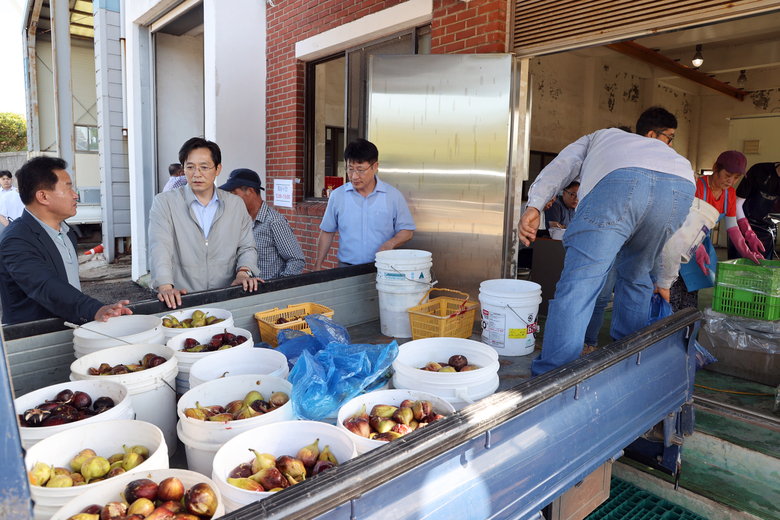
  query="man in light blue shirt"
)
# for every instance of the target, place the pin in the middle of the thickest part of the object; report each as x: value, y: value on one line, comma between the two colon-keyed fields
x: 369, y: 215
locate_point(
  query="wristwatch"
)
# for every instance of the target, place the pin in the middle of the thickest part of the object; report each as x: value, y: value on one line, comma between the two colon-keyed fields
x: 246, y: 270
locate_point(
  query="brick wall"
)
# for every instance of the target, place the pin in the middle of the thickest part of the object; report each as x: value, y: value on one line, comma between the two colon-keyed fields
x: 479, y: 26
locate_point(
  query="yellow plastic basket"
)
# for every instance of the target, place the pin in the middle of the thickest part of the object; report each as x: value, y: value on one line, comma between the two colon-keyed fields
x: 266, y: 320
x: 443, y: 317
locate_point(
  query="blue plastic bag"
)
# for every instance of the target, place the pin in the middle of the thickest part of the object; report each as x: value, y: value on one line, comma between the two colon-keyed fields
x: 324, y: 381
x: 292, y: 343
x: 660, y: 308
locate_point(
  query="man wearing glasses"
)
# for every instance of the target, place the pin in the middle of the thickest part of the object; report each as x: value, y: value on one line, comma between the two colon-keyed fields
x: 369, y: 215
x: 200, y: 237
x: 562, y: 211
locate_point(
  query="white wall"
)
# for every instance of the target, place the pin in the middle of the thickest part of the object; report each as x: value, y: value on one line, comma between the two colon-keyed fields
x: 180, y: 111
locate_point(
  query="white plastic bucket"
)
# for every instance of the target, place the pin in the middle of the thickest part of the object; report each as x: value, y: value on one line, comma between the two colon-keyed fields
x: 200, y: 437
x: 509, y: 313
x: 152, y: 390
x: 233, y: 362
x: 109, y: 490
x: 122, y: 409
x: 391, y: 397
x: 403, y: 265
x: 105, y: 439
x: 121, y: 330
x: 700, y: 220
x: 187, y: 313
x: 277, y: 439
x: 457, y: 388
x: 201, y: 334
x: 394, y: 300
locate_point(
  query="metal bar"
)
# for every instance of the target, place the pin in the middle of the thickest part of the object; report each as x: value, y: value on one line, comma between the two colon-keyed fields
x: 541, y: 440
x: 33, y: 130
x: 710, y: 405
x: 63, y: 86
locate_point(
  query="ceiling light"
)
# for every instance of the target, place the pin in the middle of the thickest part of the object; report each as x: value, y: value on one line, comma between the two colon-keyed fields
x: 742, y: 80
x: 698, y: 59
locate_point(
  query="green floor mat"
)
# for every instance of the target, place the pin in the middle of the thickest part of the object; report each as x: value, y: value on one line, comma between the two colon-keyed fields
x: 628, y: 502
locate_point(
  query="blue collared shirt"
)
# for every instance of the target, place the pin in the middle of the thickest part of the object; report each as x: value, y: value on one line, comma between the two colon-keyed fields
x: 205, y: 214
x: 365, y: 223
x: 65, y: 248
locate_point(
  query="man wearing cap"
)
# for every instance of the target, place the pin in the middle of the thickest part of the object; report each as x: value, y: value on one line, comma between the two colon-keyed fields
x: 278, y: 252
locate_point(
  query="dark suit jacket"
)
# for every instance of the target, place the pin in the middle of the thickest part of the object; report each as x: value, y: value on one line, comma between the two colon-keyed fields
x: 33, y: 281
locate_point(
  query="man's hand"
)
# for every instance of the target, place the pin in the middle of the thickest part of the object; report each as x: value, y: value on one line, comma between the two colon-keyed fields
x: 702, y: 259
x: 387, y: 246
x: 663, y: 292
x: 529, y: 225
x: 172, y: 297
x: 245, y: 279
x: 113, y: 310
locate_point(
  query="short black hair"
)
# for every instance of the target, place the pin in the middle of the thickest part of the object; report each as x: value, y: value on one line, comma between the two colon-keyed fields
x: 572, y: 184
x: 38, y: 174
x: 361, y: 150
x: 656, y: 119
x: 199, y: 142
x: 6, y: 173
x: 174, y: 168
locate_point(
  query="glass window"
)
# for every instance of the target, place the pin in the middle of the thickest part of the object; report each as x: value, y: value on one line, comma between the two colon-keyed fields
x: 86, y: 138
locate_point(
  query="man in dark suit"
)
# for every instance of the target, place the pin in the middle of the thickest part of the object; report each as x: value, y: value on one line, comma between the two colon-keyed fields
x: 39, y: 275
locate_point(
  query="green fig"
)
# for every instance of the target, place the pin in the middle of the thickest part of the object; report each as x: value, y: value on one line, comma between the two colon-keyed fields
x: 447, y: 369
x: 61, y: 471
x: 79, y: 459
x: 432, y: 366
x: 116, y: 457
x: 167, y: 323
x: 141, y: 506
x: 60, y: 481
x: 94, y: 468
x: 290, y: 466
x: 308, y: 454
x: 210, y: 320
x: 196, y: 413
x: 40, y: 474
x: 279, y: 399
x: 84, y: 516
x: 327, y: 455
x: 262, y: 461
x: 141, y: 450
x: 222, y: 417
x: 117, y: 464
x: 77, y: 479
x: 251, y: 397
x: 387, y: 436
x: 175, y: 321
x: 381, y: 424
x: 422, y: 409
x: 403, y: 415
x: 469, y: 368
x: 247, y: 412
x: 245, y: 483
x: 383, y: 410
x: 131, y: 460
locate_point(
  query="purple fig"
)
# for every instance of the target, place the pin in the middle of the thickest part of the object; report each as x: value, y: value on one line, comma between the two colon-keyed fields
x: 200, y: 500
x: 64, y: 397
x: 291, y: 466
x: 457, y: 362
x: 141, y: 488
x: 321, y: 466
x: 170, y: 489
x: 243, y: 470
x: 81, y: 400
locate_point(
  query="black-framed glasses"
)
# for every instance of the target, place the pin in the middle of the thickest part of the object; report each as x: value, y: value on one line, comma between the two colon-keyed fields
x: 574, y: 195
x: 669, y: 137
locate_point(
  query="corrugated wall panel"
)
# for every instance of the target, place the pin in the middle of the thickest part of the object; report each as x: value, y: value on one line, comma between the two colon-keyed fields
x: 557, y: 25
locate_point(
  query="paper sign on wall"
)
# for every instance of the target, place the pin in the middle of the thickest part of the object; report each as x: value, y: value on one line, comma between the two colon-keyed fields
x: 283, y: 193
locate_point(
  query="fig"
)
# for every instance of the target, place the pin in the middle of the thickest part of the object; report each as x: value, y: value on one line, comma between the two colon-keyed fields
x: 432, y: 366
x: 387, y: 436
x: 36, y: 416
x: 174, y: 507
x: 134, y: 367
x: 166, y: 322
x: 119, y: 370
x: 94, y: 509
x: 213, y: 345
x: 447, y: 369
x: 85, y: 516
x: 244, y: 470
x: 196, y: 413
x: 222, y: 417
x: 21, y: 421
x: 113, y: 472
x: 185, y: 516
x: 261, y: 406
x: 227, y: 337
x: 246, y: 412
x: 141, y: 506
x: 279, y: 399
x: 77, y: 479
x: 137, y: 448
x: 156, y: 361
x: 321, y: 466
x: 79, y: 459
x: 358, y: 423
x: 131, y: 460
x: 81, y: 400
x: 40, y: 474
x: 114, y: 511
x: 262, y: 461
x: 160, y: 513
x: 190, y: 343
x: 61, y: 471
x: 134, y: 517
x: 145, y: 360
x: 422, y: 409
x: 403, y: 415
x: 234, y: 407
x: 219, y: 338
x: 251, y: 397
x: 402, y: 429
x: 457, y: 362
x: 117, y: 464
x: 327, y: 455
x: 383, y: 410
x: 141, y: 488
x: 270, y: 478
x: 104, y: 369
x: 94, y: 468
x: 60, y: 481
x: 170, y: 489
x: 59, y: 420
x: 48, y: 406
x: 469, y: 368
x: 200, y: 500
x: 308, y: 454
x: 291, y: 480
x: 245, y: 483
x: 406, y: 403
x: 102, y: 403
x: 116, y: 457
x: 215, y: 409
x: 291, y: 466
x: 211, y: 320
x: 381, y: 424
x: 64, y: 397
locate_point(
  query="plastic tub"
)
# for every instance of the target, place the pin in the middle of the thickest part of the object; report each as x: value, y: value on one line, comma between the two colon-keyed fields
x: 105, y: 439
x: 122, y: 409
x: 187, y: 359
x: 403, y: 265
x: 394, y: 301
x: 169, y: 332
x: 152, y: 391
x: 391, y: 397
x: 234, y: 362
x: 200, y: 437
x: 460, y: 388
x: 509, y: 312
x: 277, y: 439
x: 123, y: 330
x: 109, y: 490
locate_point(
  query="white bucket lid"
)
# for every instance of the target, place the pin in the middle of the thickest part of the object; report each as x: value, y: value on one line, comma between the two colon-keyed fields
x: 510, y: 289
x: 404, y: 257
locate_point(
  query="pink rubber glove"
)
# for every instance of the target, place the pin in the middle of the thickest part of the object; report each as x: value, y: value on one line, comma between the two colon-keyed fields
x: 750, y: 236
x: 739, y: 242
x: 702, y: 259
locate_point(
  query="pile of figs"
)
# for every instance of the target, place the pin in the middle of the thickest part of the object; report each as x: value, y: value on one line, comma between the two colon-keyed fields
x: 199, y: 319
x: 250, y: 406
x: 220, y: 341
x: 66, y: 407
x: 456, y: 363
x: 267, y: 473
x: 144, y: 499
x: 150, y: 360
x: 388, y: 423
x: 87, y: 467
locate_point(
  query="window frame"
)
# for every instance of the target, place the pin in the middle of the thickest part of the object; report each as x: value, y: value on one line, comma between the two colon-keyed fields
x: 89, y: 139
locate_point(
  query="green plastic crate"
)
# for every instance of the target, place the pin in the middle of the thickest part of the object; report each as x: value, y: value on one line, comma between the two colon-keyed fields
x: 628, y: 502
x: 743, y: 288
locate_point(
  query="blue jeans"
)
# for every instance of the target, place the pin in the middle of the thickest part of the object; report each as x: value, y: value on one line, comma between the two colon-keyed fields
x: 592, y: 332
x: 631, y: 212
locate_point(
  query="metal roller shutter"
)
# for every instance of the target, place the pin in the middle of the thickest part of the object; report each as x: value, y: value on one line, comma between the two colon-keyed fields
x: 547, y: 26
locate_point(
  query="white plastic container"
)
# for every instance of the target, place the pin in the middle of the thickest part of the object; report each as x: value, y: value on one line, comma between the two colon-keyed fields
x: 277, y: 439
x: 152, y: 391
x: 557, y: 233
x: 700, y: 220
x: 105, y: 439
x: 458, y: 388
x: 403, y: 265
x: 187, y: 313
x: 201, y: 437
x: 121, y: 330
x: 109, y: 490
x: 122, y: 409
x: 391, y: 397
x: 394, y: 301
x: 238, y: 362
x: 202, y: 335
x: 509, y: 315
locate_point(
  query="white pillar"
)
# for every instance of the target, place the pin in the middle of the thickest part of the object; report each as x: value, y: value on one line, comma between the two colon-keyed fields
x: 63, y: 88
